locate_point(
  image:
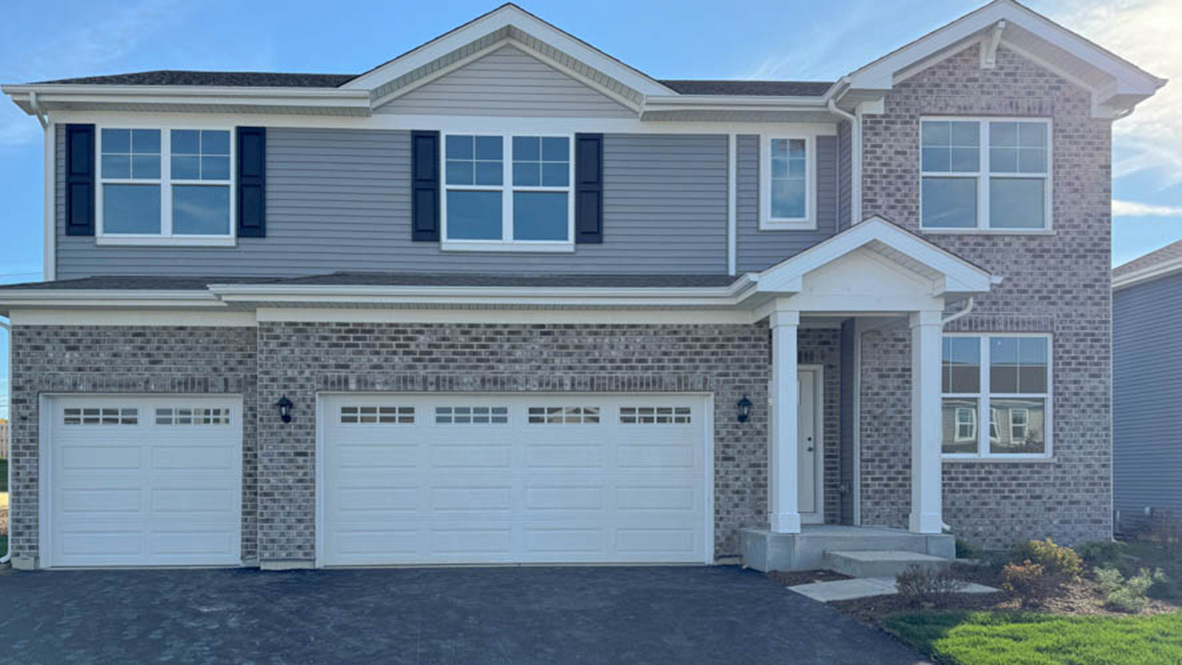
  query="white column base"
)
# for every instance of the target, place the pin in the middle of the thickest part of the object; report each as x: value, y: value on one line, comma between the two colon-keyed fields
x: 926, y: 523
x: 785, y: 523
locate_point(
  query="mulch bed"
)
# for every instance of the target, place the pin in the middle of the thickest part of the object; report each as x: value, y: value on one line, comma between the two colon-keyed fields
x: 805, y: 577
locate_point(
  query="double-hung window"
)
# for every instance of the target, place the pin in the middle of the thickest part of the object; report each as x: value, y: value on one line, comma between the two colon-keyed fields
x: 786, y: 177
x: 988, y: 174
x: 1006, y: 376
x: 504, y: 192
x: 165, y: 186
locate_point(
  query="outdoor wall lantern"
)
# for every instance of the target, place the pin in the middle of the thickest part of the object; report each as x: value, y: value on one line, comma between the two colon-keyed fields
x: 284, y: 405
x: 744, y: 409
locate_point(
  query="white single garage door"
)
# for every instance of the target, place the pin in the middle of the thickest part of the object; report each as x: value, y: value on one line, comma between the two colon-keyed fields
x: 515, y: 479
x: 144, y: 481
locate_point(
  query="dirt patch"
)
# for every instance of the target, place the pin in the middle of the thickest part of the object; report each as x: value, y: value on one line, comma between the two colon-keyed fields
x: 805, y: 577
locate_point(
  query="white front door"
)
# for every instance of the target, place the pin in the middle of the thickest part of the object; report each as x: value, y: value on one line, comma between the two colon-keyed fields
x: 808, y: 449
x: 143, y: 481
x: 469, y: 479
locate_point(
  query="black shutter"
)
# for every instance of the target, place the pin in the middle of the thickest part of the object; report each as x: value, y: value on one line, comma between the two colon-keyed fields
x: 424, y: 186
x: 252, y: 178
x: 79, y: 180
x: 589, y: 188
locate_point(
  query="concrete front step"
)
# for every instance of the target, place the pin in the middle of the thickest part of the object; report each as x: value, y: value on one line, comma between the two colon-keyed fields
x: 880, y: 563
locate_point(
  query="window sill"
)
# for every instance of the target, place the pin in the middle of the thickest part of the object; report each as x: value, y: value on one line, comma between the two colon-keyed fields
x: 988, y: 232
x: 502, y: 246
x: 793, y: 225
x: 175, y: 241
x: 998, y: 459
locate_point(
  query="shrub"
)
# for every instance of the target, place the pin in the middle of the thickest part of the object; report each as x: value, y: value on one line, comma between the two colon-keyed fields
x: 1129, y: 595
x: 919, y: 585
x: 1056, y: 561
x: 967, y: 550
x: 1028, y: 582
x: 1101, y: 553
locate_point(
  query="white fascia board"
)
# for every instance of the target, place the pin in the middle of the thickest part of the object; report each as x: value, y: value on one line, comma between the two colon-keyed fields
x: 97, y: 298
x: 51, y: 95
x: 733, y: 102
x: 1163, y: 269
x: 880, y: 74
x: 958, y: 276
x: 491, y: 22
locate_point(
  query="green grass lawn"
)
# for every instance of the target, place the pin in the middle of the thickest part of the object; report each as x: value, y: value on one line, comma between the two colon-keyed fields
x: 998, y: 638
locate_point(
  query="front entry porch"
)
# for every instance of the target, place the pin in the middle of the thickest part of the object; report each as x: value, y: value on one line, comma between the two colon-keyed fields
x: 765, y: 550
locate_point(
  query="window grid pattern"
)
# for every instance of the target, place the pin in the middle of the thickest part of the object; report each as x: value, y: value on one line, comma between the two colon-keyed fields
x: 197, y: 415
x: 100, y: 416
x: 985, y: 174
x: 789, y: 179
x: 563, y: 415
x: 655, y: 415
x: 379, y: 415
x: 1007, y: 377
x: 471, y: 415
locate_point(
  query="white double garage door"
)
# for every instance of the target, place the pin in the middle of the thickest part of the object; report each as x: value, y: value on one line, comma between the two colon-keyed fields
x: 402, y: 479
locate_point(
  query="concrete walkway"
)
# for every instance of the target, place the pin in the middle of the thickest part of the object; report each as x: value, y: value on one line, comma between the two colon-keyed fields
x: 864, y: 587
x: 682, y: 615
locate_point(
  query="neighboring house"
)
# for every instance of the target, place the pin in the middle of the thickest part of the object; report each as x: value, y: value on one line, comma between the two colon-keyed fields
x: 506, y: 299
x: 1146, y: 387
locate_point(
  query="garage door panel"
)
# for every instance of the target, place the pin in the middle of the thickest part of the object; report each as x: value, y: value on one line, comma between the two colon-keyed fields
x: 560, y: 479
x: 128, y: 491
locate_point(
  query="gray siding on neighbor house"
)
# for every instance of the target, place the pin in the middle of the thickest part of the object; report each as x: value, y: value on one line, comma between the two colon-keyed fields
x: 1147, y: 398
x: 757, y: 249
x: 507, y: 82
x: 340, y: 200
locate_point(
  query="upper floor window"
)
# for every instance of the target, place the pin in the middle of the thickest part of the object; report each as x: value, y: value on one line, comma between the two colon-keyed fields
x: 1005, y: 376
x: 507, y: 193
x: 165, y: 185
x: 786, y: 177
x: 985, y: 174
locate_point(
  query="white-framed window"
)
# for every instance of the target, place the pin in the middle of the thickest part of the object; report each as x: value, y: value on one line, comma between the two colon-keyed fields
x: 165, y: 185
x: 1006, y: 375
x: 100, y: 416
x: 508, y: 192
x: 563, y: 415
x: 377, y: 415
x: 787, y: 175
x: 985, y: 174
x: 471, y: 415
x: 192, y: 416
x: 655, y: 415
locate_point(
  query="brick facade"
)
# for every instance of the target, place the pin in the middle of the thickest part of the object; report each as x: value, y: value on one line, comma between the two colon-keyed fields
x: 1057, y: 283
x: 130, y: 360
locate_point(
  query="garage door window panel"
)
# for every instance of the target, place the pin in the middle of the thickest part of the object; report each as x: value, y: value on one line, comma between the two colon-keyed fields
x: 655, y: 415
x: 563, y: 415
x: 100, y: 416
x: 377, y: 415
x: 472, y: 415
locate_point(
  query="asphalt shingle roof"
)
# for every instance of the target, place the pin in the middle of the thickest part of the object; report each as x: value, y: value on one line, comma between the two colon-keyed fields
x: 142, y: 282
x: 297, y: 80
x: 1170, y: 252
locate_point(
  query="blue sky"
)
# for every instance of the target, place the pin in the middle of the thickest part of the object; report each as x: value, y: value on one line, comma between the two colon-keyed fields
x: 787, y: 39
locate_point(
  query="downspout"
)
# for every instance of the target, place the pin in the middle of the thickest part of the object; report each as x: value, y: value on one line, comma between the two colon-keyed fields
x: 7, y: 326
x: 962, y: 313
x: 855, y: 120
x: 36, y: 106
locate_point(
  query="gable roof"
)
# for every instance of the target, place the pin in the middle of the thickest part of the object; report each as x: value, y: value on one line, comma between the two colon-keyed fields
x: 1116, y: 84
x: 1156, y: 264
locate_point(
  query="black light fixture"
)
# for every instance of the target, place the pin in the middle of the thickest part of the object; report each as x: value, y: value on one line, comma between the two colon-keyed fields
x: 284, y: 405
x: 744, y: 409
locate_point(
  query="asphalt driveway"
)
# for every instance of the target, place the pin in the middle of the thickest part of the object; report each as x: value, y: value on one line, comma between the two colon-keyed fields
x: 444, y: 615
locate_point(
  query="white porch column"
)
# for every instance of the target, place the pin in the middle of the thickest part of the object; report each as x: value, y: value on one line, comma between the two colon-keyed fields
x: 926, y: 357
x: 782, y: 479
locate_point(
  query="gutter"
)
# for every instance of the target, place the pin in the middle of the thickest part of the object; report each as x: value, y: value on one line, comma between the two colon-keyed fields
x: 855, y: 120
x: 36, y: 99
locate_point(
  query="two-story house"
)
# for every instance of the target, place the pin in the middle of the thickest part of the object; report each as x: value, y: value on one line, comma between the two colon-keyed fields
x: 506, y: 299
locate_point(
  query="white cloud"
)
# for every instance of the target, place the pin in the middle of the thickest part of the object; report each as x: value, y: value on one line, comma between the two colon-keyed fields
x: 1135, y: 209
x: 1144, y: 32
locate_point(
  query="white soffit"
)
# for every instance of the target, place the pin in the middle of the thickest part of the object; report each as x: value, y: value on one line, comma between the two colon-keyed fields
x: 950, y: 274
x: 1113, y: 81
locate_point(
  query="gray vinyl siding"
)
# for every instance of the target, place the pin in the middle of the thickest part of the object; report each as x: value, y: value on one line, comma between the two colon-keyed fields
x: 507, y: 82
x: 340, y: 200
x: 1147, y: 399
x: 844, y: 175
x: 757, y: 249
x: 846, y: 438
